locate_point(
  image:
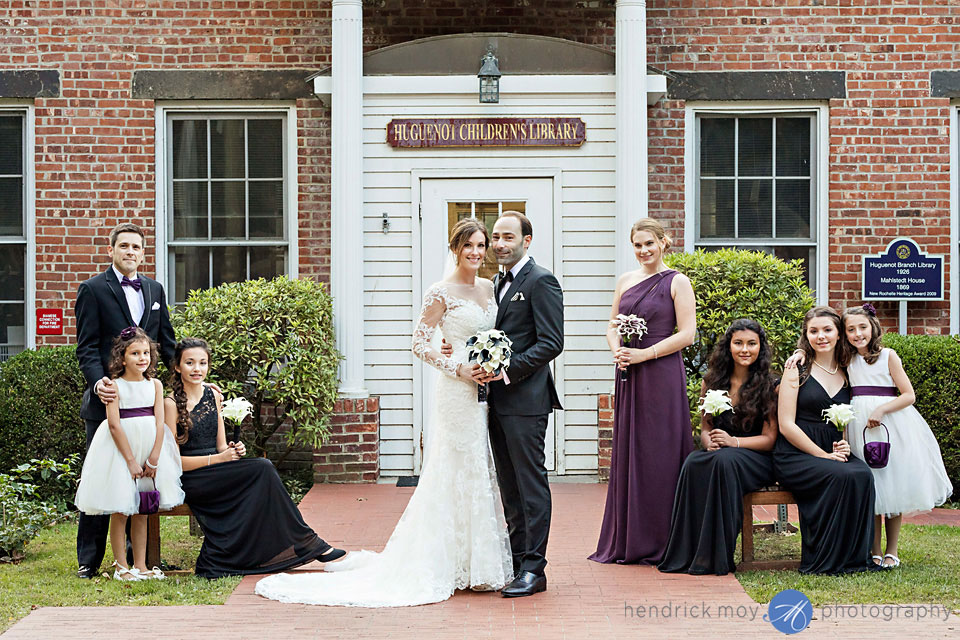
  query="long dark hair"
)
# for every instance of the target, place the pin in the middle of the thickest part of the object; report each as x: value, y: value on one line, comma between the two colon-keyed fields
x: 757, y: 398
x: 804, y: 343
x: 874, y: 346
x: 126, y: 338
x: 176, y: 384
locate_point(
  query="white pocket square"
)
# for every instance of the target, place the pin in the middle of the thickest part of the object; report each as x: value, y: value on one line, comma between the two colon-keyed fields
x: 517, y: 296
x: 156, y: 305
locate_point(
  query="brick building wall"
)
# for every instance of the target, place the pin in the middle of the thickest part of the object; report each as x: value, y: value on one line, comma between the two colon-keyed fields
x: 889, y: 163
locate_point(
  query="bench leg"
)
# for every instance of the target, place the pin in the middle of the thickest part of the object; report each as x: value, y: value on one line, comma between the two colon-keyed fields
x: 746, y: 534
x: 153, y: 541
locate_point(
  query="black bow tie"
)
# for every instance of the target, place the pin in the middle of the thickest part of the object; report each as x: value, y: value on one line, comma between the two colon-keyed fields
x: 127, y: 282
x: 504, y: 281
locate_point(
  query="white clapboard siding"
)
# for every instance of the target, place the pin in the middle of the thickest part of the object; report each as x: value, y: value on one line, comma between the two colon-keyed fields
x: 584, y: 254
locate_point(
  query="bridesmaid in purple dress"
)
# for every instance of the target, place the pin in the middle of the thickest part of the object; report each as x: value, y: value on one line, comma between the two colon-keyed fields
x: 651, y: 430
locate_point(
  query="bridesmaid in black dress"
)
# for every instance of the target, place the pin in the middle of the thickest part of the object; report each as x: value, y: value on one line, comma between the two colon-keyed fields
x: 250, y: 525
x: 651, y: 425
x: 708, y: 507
x: 834, y: 490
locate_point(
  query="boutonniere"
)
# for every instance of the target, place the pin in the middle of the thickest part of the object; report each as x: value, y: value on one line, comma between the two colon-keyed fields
x: 517, y: 296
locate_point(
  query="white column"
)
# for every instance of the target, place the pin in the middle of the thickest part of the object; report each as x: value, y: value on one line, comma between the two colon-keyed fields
x: 346, y: 188
x: 631, y: 124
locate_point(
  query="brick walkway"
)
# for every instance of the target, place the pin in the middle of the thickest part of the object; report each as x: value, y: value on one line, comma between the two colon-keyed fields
x: 584, y: 598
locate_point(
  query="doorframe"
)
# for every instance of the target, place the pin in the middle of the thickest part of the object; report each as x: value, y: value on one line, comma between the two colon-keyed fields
x: 416, y: 181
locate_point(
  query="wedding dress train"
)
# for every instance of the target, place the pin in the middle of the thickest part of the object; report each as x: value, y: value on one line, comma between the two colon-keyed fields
x: 452, y: 534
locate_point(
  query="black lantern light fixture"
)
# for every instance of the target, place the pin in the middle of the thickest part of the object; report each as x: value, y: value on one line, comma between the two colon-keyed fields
x: 489, y: 78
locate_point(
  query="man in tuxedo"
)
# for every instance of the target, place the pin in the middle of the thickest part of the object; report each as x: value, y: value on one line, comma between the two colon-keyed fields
x: 107, y: 304
x: 521, y: 399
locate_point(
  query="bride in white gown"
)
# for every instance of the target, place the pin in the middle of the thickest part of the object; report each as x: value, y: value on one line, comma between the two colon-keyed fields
x: 452, y: 535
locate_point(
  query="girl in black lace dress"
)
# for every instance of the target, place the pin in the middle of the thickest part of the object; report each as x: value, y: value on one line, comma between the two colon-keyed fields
x: 708, y: 507
x: 249, y: 523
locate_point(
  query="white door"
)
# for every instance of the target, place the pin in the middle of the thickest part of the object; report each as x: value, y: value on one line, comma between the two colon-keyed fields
x: 445, y: 201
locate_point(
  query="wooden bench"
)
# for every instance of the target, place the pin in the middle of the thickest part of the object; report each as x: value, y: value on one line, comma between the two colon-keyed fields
x: 768, y: 495
x: 153, y: 536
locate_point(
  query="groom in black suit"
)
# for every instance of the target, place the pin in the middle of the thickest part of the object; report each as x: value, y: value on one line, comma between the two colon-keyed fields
x: 521, y: 400
x: 107, y: 304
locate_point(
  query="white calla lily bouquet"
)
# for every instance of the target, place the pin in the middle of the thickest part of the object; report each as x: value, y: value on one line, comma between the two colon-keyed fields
x: 839, y: 415
x: 492, y: 350
x: 236, y: 411
x: 715, y: 402
x: 628, y: 326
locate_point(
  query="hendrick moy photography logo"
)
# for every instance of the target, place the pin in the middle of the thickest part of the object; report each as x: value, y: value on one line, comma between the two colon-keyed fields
x: 790, y: 611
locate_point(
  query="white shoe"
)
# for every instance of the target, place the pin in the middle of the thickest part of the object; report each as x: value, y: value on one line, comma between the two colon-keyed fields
x: 123, y: 573
x: 153, y: 574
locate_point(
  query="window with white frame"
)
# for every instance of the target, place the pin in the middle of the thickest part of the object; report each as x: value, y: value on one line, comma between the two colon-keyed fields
x: 226, y: 176
x: 13, y: 234
x: 756, y: 184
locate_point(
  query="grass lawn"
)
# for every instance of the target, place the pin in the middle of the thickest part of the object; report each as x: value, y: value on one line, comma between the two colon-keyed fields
x: 930, y: 572
x: 47, y: 576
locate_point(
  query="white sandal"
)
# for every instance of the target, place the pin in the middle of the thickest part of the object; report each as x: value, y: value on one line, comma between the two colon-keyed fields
x: 126, y: 574
x: 153, y: 574
x: 896, y: 561
x: 877, y: 560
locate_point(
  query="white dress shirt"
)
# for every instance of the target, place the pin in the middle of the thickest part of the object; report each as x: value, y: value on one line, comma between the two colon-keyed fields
x: 514, y: 271
x: 134, y: 297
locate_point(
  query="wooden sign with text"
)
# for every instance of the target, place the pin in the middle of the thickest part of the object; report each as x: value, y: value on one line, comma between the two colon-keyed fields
x: 486, y: 132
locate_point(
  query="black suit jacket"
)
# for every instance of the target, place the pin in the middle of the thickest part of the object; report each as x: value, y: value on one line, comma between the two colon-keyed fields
x: 531, y: 315
x: 102, y: 313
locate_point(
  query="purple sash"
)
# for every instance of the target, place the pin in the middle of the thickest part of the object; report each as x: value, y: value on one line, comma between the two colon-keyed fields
x: 138, y: 412
x: 874, y: 391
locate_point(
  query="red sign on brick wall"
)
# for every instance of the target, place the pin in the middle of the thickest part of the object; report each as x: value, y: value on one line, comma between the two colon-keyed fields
x: 49, y: 322
x: 486, y: 132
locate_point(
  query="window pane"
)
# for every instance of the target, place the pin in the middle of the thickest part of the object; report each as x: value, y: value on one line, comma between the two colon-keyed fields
x: 266, y: 209
x: 11, y: 206
x: 716, y: 208
x: 755, y: 147
x: 11, y: 145
x: 189, y: 210
x: 227, y: 210
x: 12, y: 329
x: 12, y: 271
x: 267, y: 262
x: 265, y: 142
x: 229, y: 264
x: 191, y: 268
x: 716, y: 146
x: 793, y: 209
x: 793, y: 146
x: 189, y: 149
x: 226, y: 149
x: 755, y: 208
x: 803, y: 253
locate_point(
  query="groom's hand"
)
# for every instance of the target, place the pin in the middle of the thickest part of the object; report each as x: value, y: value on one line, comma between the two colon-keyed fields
x: 105, y: 390
x: 478, y: 375
x: 446, y: 350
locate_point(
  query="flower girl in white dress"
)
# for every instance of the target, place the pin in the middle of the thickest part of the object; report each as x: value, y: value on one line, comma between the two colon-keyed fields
x: 914, y: 478
x: 132, y: 443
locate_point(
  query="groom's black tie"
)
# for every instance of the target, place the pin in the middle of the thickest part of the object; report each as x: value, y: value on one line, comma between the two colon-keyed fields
x: 504, y: 282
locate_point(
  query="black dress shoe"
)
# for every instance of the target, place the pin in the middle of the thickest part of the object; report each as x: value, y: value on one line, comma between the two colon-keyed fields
x: 87, y: 573
x: 525, y: 584
x: 331, y: 554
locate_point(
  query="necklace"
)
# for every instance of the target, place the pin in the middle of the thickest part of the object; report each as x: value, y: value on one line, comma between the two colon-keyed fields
x: 825, y: 369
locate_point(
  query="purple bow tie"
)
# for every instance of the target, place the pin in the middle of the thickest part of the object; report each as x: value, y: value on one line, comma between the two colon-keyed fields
x: 127, y: 282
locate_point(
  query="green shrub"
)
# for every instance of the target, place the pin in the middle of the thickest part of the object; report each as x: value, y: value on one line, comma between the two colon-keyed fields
x: 933, y: 365
x: 731, y: 284
x: 271, y: 341
x: 22, y: 517
x: 40, y: 395
x: 56, y: 482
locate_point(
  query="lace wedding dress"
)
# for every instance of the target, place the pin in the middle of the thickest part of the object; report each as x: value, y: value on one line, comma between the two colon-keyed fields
x: 452, y: 535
